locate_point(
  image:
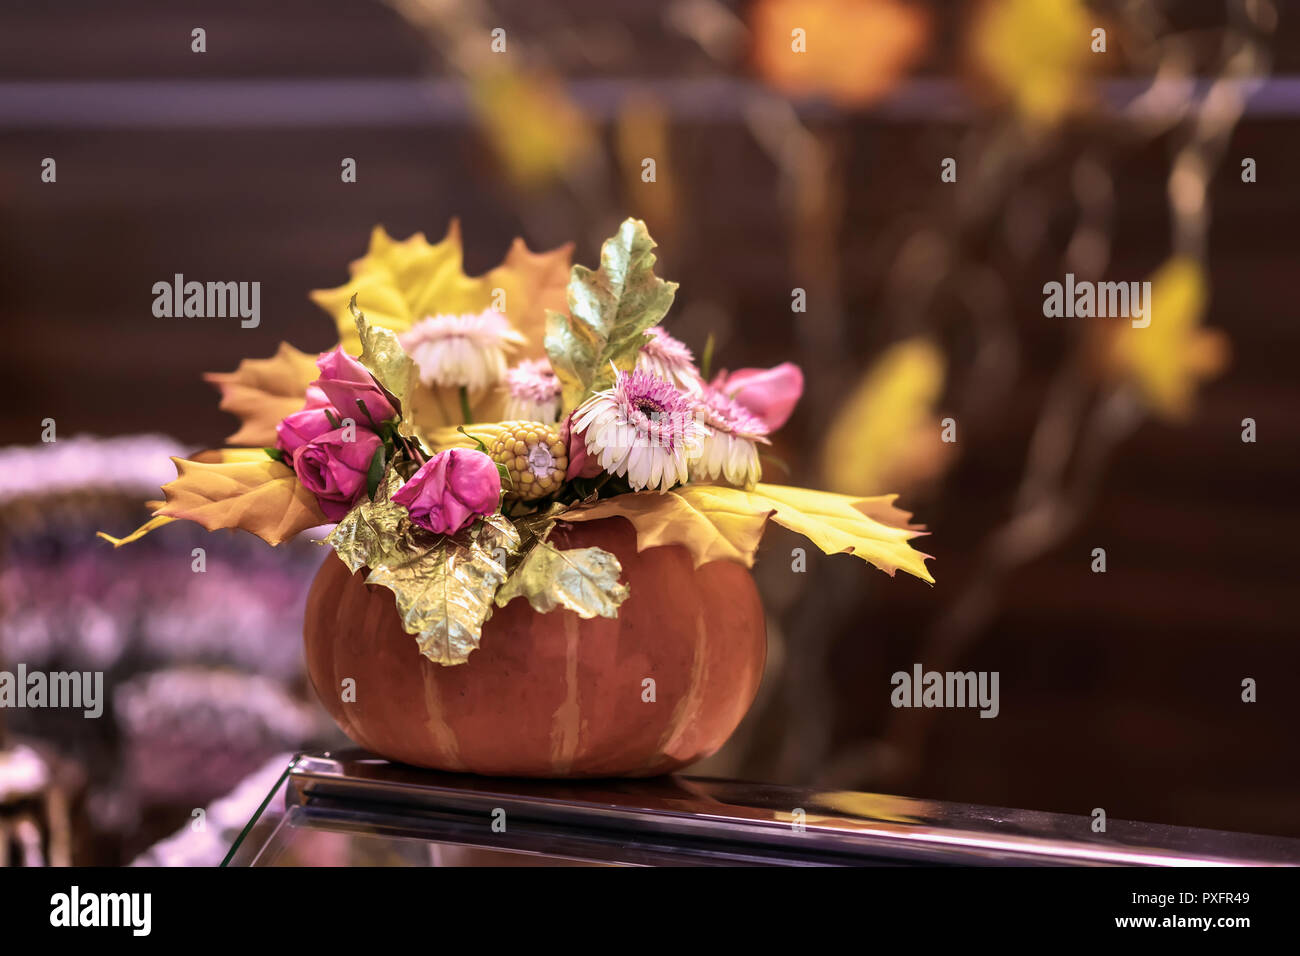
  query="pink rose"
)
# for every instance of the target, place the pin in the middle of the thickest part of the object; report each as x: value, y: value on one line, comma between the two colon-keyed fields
x: 334, y: 469
x: 769, y: 393
x: 451, y: 489
x: 344, y: 381
x: 581, y: 465
x: 301, y: 427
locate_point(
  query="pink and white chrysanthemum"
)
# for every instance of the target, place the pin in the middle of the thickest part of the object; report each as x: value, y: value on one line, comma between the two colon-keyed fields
x: 643, y: 428
x: 468, y: 350
x: 729, y: 450
x: 669, y: 359
x: 532, y: 392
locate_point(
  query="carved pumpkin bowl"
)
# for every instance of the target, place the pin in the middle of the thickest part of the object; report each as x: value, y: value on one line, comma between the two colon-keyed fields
x: 550, y: 695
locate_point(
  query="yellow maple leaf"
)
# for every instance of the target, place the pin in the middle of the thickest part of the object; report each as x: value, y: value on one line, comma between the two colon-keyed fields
x: 708, y: 520
x: 1034, y: 53
x: 262, y: 392
x: 885, y: 435
x: 718, y: 523
x: 1167, y: 359
x: 854, y: 51
x: 399, y: 283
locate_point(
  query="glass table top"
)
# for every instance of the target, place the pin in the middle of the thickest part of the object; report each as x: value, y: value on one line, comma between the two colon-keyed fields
x: 349, y: 808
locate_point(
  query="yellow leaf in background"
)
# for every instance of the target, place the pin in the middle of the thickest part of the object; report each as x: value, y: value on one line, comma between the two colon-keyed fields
x: 885, y: 434
x: 708, y: 520
x: 856, y: 50
x: 248, y: 492
x: 397, y: 284
x: 1167, y: 359
x: 263, y: 391
x: 1035, y: 52
x: 717, y: 523
x: 536, y: 131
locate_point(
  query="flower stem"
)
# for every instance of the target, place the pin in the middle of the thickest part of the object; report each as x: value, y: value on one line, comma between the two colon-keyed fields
x: 464, y: 405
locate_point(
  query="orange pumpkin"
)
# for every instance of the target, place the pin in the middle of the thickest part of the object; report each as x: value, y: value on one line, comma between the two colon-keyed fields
x: 550, y: 695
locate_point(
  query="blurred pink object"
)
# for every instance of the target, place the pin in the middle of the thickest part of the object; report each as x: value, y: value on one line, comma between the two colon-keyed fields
x: 769, y: 393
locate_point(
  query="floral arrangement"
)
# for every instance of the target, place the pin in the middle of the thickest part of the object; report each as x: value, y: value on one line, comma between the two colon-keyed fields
x: 460, y: 419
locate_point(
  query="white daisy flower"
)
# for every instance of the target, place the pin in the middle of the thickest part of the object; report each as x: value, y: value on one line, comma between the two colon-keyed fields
x: 643, y: 428
x: 461, y: 350
x: 729, y: 450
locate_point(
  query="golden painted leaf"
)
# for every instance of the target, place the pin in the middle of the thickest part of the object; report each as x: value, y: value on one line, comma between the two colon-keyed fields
x: 257, y: 495
x: 445, y: 586
x: 1035, y: 53
x: 263, y: 391
x: 710, y: 521
x: 718, y: 523
x: 1172, y: 355
x: 885, y: 435
x: 609, y: 311
x: 372, y: 528
x: 384, y: 358
x: 399, y: 283
x: 855, y: 51
x: 582, y: 580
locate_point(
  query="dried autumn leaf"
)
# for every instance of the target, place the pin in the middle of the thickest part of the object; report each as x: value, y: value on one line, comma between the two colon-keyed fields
x: 582, y: 580
x: 842, y: 524
x: 260, y: 496
x: 609, y: 311
x: 396, y: 284
x: 263, y: 391
x: 856, y: 50
x: 715, y: 523
x: 708, y: 520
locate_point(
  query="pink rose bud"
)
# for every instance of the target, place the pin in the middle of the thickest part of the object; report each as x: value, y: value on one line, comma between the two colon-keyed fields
x: 344, y: 380
x: 301, y: 427
x: 451, y: 489
x: 581, y: 465
x: 769, y: 393
x: 316, y: 398
x: 334, y: 469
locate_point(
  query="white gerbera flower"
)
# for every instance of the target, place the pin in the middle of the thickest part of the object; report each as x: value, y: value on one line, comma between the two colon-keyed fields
x: 665, y: 357
x: 729, y: 450
x: 533, y: 392
x: 642, y: 427
x: 455, y: 350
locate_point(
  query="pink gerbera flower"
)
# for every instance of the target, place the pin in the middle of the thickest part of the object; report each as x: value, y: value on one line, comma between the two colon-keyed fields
x: 729, y: 450
x: 455, y: 350
x: 669, y: 359
x: 643, y: 428
x: 532, y: 392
